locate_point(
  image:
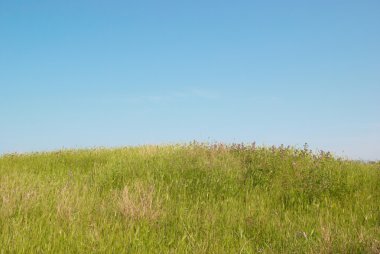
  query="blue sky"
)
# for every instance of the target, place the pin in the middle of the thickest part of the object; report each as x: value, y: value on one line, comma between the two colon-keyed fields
x: 113, y: 73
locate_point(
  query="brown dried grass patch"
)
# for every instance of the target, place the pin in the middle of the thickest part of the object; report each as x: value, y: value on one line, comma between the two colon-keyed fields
x: 148, y: 150
x: 138, y: 202
x: 67, y: 204
x: 16, y: 198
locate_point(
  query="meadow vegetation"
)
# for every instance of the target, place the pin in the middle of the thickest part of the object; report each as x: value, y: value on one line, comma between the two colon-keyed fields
x: 193, y: 198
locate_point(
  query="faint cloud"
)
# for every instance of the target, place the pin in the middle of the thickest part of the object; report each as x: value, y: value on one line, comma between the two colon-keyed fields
x: 145, y: 98
x: 172, y: 96
x: 205, y: 94
x: 191, y: 94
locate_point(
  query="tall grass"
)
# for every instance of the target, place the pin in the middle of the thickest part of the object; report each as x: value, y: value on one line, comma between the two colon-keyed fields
x: 194, y: 198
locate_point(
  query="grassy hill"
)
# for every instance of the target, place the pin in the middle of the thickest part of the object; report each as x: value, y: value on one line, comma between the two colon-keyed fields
x: 193, y: 198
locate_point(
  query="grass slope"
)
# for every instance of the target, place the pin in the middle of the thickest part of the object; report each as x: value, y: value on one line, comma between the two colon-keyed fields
x: 188, y: 198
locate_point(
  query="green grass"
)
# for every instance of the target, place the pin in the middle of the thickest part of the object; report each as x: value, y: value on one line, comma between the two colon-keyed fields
x: 188, y: 199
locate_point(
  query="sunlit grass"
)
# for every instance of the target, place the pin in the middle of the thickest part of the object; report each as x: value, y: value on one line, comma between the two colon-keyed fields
x: 193, y: 198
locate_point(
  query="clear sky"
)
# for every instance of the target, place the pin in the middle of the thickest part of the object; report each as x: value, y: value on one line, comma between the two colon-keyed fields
x: 113, y: 73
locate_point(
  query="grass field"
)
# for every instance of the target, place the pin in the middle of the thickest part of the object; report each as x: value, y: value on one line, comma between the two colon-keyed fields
x: 194, y: 198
